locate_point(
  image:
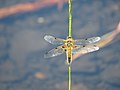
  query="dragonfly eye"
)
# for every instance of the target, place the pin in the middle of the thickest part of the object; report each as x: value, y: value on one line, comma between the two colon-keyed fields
x: 69, y: 37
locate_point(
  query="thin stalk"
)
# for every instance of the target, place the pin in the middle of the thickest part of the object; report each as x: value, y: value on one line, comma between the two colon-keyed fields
x: 70, y: 18
x: 69, y: 77
x: 70, y: 35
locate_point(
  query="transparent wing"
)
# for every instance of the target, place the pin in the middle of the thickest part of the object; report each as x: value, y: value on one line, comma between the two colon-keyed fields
x: 87, y: 40
x: 54, y: 52
x: 53, y: 40
x: 85, y: 49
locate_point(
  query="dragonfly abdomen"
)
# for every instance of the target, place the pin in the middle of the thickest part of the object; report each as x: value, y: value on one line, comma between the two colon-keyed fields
x: 69, y: 55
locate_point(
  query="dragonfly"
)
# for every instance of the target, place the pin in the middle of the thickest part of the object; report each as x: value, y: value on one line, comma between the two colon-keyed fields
x: 70, y: 46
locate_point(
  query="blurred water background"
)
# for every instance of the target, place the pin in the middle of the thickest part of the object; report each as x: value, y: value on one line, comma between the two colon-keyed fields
x: 23, y: 24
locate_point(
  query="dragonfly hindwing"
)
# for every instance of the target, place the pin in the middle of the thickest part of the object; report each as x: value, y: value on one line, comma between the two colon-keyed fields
x: 85, y: 49
x: 54, y: 52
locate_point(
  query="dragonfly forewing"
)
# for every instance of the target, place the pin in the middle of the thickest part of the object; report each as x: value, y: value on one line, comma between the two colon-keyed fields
x: 54, y: 52
x: 87, y: 40
x: 53, y: 40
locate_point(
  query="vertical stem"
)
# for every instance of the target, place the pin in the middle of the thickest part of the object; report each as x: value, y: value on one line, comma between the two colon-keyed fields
x: 70, y: 18
x: 70, y: 35
x: 69, y: 77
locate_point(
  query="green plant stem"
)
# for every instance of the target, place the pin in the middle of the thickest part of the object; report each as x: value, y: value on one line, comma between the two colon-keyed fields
x: 69, y: 77
x: 70, y: 18
x: 70, y: 35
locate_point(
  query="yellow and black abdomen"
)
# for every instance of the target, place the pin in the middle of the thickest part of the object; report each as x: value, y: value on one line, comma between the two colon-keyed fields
x: 69, y: 55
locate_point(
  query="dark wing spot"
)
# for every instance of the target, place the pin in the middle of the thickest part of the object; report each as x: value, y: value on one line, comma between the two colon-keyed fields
x: 65, y: 50
x: 86, y: 39
x: 56, y: 48
x: 83, y: 45
x: 55, y: 38
x: 95, y: 46
x: 63, y: 47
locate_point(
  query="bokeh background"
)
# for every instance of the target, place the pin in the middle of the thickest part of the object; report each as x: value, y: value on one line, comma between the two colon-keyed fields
x: 24, y: 23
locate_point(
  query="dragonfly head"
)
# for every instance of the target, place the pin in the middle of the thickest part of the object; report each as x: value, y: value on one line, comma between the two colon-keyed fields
x: 69, y: 41
x: 69, y: 37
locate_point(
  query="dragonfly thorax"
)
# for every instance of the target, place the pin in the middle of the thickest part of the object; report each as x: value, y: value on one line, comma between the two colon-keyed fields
x: 68, y: 43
